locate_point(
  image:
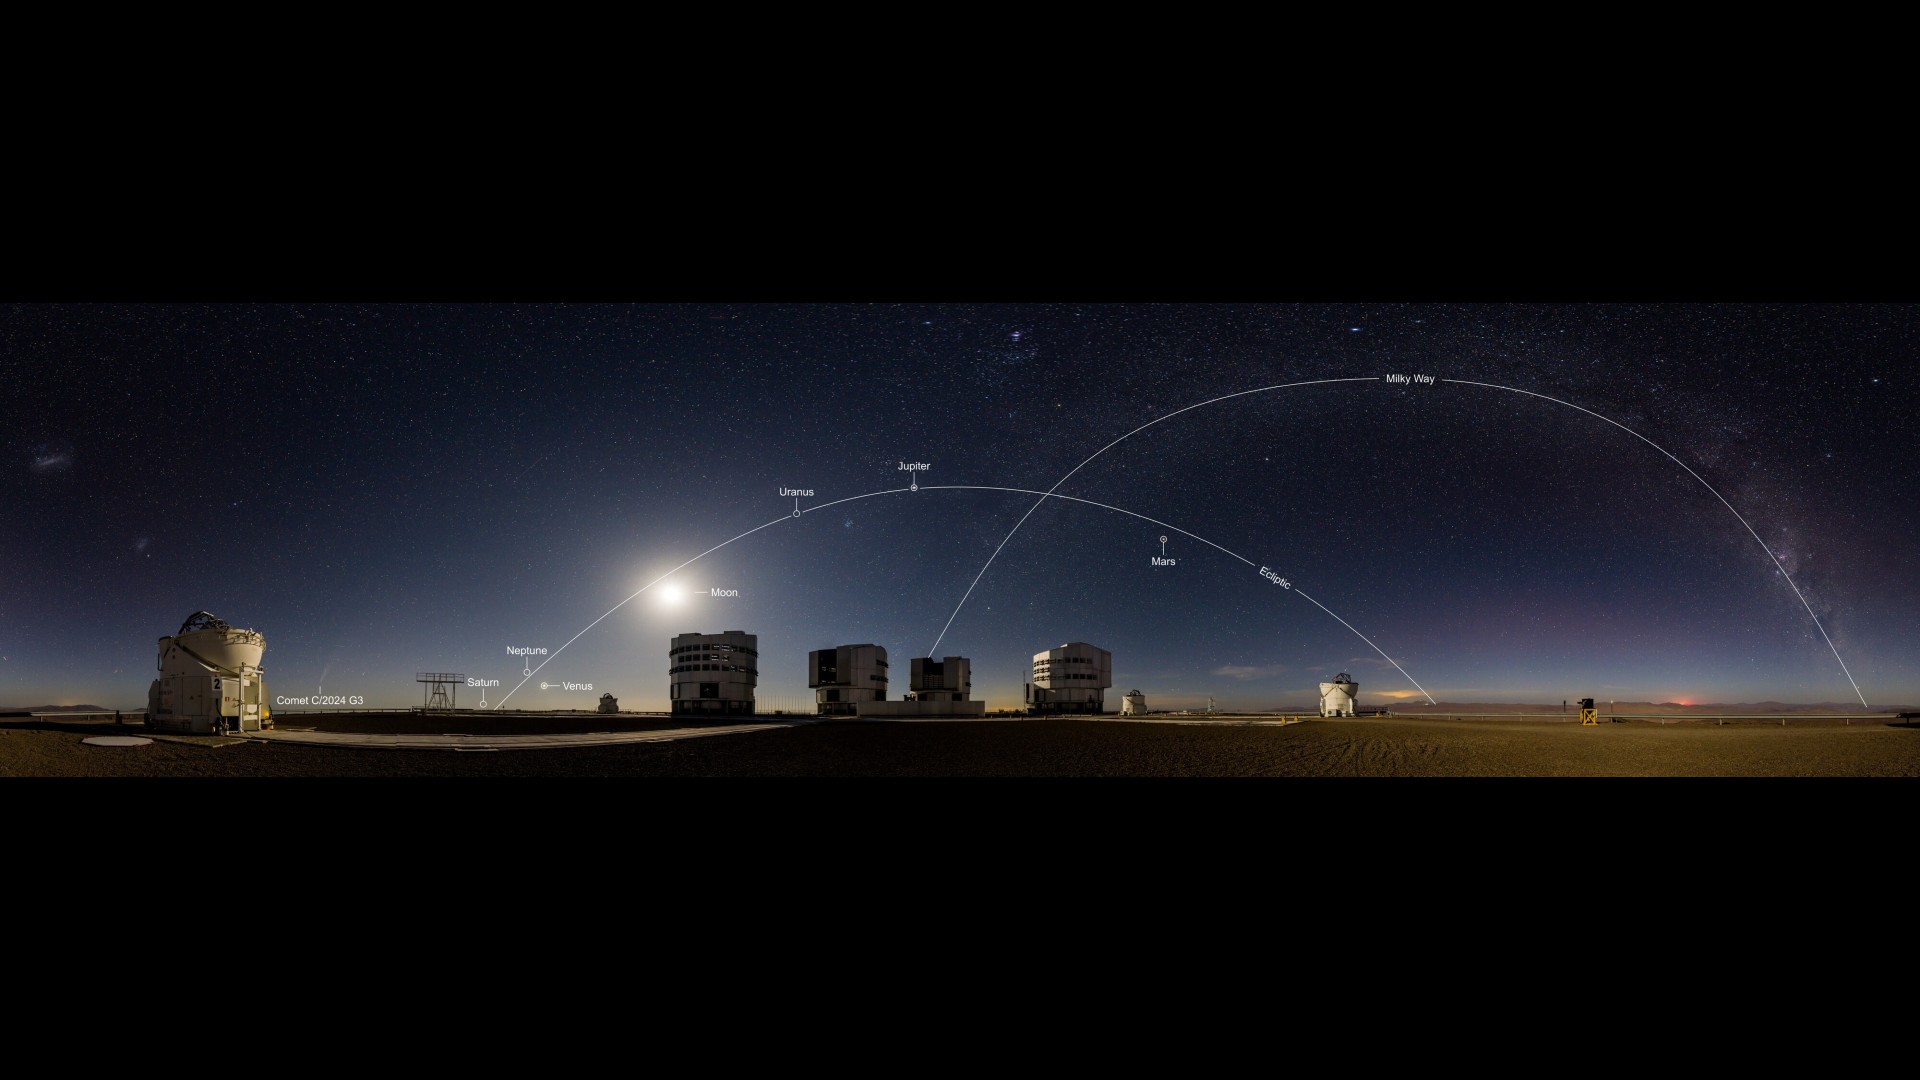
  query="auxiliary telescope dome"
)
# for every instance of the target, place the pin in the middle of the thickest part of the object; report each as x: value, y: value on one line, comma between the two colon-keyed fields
x: 207, y: 643
x: 210, y: 679
x: 1337, y: 697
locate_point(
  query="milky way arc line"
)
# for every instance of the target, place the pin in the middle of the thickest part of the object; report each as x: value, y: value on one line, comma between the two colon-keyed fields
x: 1717, y: 495
x: 1050, y: 494
x: 1465, y: 382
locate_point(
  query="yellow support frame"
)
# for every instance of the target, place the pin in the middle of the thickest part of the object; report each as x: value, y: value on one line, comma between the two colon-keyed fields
x: 1589, y: 717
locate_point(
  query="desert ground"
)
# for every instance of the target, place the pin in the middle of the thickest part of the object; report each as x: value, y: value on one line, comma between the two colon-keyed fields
x: 1359, y: 747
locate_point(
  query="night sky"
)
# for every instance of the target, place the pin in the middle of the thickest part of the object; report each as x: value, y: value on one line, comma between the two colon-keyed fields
x: 388, y: 488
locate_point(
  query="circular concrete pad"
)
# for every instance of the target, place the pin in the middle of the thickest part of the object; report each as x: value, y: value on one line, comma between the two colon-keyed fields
x: 117, y: 740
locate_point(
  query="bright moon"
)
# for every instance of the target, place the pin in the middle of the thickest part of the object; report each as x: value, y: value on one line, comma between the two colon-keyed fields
x: 672, y: 594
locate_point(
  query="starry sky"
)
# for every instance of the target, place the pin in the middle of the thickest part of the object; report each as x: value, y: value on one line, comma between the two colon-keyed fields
x: 386, y: 488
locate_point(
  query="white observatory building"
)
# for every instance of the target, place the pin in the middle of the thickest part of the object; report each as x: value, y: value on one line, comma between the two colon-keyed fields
x: 714, y: 674
x: 949, y: 678
x: 1070, y: 679
x: 1337, y: 697
x: 1134, y: 704
x: 210, y: 679
x: 940, y: 688
x: 609, y: 703
x: 845, y: 675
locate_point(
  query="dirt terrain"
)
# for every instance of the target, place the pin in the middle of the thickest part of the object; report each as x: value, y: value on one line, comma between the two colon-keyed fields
x: 1362, y: 747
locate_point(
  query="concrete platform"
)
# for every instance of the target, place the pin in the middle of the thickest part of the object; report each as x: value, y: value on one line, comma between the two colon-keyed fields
x: 464, y: 742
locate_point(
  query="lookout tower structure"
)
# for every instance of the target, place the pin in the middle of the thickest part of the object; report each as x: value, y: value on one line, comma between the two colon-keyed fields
x: 441, y: 688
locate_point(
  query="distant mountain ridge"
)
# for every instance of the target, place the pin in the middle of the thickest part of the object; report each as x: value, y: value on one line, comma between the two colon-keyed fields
x: 1664, y: 708
x: 53, y: 708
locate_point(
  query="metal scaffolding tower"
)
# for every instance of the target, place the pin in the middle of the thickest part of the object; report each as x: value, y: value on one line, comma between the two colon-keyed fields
x: 438, y: 684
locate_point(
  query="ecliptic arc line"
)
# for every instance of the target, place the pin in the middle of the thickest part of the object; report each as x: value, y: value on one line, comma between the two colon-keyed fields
x: 1036, y: 505
x: 1717, y: 495
x: 623, y: 603
x: 1029, y: 491
x: 1369, y: 641
x: 1044, y: 496
x: 1467, y: 382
